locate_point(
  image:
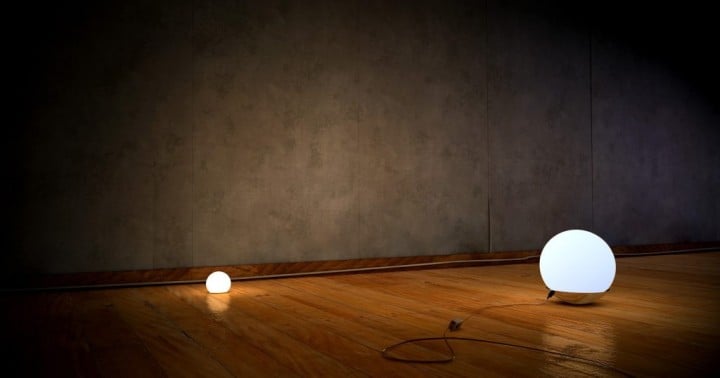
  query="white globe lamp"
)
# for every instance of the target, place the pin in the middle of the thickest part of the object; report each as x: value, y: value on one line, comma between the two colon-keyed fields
x: 218, y: 282
x: 577, y: 266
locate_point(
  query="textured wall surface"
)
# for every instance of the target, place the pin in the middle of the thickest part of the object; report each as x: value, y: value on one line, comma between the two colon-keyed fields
x: 190, y: 133
x: 656, y: 128
x: 348, y: 137
x: 539, y: 107
x: 107, y: 144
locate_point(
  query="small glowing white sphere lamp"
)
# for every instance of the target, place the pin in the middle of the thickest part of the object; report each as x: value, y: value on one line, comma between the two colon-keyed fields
x: 218, y: 282
x: 577, y: 266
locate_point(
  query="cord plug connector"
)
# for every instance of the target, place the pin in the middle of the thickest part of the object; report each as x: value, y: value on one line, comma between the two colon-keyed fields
x: 455, y: 324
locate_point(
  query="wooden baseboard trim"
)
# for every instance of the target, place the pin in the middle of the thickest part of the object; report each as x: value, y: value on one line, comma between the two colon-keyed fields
x: 260, y: 271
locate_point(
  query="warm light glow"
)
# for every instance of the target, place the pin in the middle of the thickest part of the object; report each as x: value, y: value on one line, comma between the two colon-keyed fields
x: 578, y: 265
x: 218, y: 282
x: 217, y: 304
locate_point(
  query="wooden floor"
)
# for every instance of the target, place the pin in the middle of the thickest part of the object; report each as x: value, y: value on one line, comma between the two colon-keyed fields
x: 659, y: 319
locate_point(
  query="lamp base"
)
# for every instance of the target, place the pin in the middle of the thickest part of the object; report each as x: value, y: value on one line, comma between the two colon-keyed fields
x: 578, y: 298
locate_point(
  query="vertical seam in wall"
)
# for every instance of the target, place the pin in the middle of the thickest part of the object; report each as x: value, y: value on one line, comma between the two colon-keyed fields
x: 155, y: 172
x: 487, y: 118
x: 192, y: 133
x: 592, y: 149
x: 356, y: 175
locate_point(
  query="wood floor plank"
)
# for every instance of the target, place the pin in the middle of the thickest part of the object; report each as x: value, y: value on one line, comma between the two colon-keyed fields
x: 33, y: 336
x: 339, y: 341
x: 639, y: 315
x: 360, y: 328
x: 413, y: 318
x: 186, y: 334
x: 111, y: 340
x: 295, y: 355
x: 239, y: 356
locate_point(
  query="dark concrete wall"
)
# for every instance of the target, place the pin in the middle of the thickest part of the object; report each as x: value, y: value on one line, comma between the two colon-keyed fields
x: 656, y: 125
x: 189, y: 133
x: 539, y: 122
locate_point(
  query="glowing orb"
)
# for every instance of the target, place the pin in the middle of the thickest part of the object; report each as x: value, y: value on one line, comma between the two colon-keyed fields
x: 578, y: 266
x: 218, y: 282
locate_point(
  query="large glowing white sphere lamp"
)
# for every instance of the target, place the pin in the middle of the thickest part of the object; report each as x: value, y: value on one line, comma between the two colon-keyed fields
x: 218, y: 282
x: 577, y: 266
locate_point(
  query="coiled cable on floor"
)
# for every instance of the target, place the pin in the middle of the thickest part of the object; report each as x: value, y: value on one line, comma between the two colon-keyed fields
x: 455, y: 325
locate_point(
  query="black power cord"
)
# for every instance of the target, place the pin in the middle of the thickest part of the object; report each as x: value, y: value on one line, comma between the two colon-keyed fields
x: 455, y: 325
